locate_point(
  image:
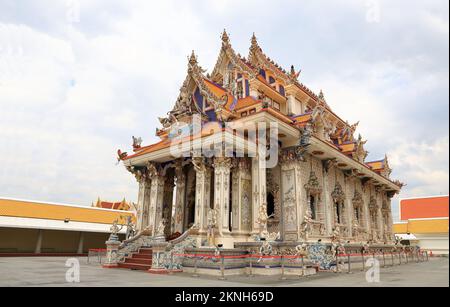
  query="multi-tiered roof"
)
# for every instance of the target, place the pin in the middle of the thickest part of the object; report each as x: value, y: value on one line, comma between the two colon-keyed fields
x: 239, y: 87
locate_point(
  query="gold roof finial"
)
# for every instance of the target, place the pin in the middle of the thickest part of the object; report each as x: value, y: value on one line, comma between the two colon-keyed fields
x: 254, y: 41
x: 321, y: 95
x: 193, y: 59
x: 225, y: 37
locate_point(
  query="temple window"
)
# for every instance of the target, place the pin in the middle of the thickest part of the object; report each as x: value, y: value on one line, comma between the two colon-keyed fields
x: 272, y: 80
x: 357, y: 215
x: 262, y: 72
x: 312, y: 206
x: 282, y: 90
x: 244, y: 114
x: 252, y: 111
x: 338, y: 213
x: 270, y: 204
x: 240, y: 90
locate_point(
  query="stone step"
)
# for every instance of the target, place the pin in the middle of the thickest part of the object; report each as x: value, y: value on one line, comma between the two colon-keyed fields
x: 146, y: 251
x: 135, y: 266
x: 141, y: 256
x: 145, y: 261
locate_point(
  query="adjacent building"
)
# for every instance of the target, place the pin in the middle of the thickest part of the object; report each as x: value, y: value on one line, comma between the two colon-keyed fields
x: 425, y: 220
x: 37, y: 228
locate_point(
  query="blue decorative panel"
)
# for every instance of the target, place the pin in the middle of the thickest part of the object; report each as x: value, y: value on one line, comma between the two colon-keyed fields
x: 262, y: 72
x: 198, y: 98
x: 247, y: 88
x: 282, y: 90
x: 211, y: 116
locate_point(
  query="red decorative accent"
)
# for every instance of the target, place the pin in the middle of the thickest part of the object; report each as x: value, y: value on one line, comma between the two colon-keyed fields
x: 318, y: 153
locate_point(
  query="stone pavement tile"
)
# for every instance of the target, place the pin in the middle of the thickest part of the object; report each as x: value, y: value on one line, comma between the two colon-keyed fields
x: 39, y: 272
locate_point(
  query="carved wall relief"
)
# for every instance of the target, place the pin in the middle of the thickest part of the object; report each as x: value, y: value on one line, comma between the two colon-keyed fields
x: 289, y: 201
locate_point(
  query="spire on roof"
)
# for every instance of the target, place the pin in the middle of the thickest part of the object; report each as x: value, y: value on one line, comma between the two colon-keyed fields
x: 294, y: 75
x: 193, y: 59
x: 225, y: 37
x: 254, y: 42
x: 321, y: 95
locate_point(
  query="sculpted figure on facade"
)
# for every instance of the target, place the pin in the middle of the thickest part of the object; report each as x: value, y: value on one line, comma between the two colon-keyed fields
x: 306, y: 225
x: 161, y: 228
x: 211, y: 223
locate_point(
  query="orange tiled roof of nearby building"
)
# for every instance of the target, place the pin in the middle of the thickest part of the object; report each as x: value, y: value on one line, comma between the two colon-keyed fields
x: 49, y: 211
x: 424, y: 208
x: 122, y: 205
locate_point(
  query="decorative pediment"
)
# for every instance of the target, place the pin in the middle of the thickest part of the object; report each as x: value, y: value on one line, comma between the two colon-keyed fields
x: 259, y: 60
x: 338, y: 194
x: 228, y: 56
x: 357, y: 199
x: 313, y: 186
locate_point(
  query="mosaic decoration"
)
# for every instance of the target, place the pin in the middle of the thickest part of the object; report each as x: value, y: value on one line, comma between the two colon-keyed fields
x: 321, y: 255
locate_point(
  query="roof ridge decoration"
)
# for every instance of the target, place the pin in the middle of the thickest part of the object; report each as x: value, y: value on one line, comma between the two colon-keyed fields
x: 338, y: 194
x: 185, y: 104
x: 260, y: 60
x: 360, y: 153
x: 228, y: 51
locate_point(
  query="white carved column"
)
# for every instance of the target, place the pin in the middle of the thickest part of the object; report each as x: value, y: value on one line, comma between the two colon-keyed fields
x: 293, y: 196
x: 222, y: 185
x: 242, y: 198
x: 202, y: 194
x: 143, y: 204
x: 349, y: 209
x: 168, y: 204
x: 380, y: 216
x: 156, y: 197
x: 327, y: 203
x: 180, y: 182
x: 259, y: 191
x: 366, y: 204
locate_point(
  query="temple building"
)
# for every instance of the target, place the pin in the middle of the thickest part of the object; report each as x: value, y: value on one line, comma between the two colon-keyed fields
x: 248, y: 152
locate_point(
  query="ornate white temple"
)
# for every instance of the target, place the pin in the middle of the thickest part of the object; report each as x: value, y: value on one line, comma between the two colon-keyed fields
x: 249, y: 153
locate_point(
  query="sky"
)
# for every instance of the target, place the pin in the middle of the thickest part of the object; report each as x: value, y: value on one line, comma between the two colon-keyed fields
x: 78, y: 79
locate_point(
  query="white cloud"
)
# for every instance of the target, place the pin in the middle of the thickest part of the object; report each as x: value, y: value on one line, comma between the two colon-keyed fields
x: 72, y: 93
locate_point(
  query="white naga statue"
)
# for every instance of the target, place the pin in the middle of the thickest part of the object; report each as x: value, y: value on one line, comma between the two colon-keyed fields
x: 212, y: 222
x: 115, y: 229
x: 263, y: 217
x: 161, y: 228
x: 306, y: 225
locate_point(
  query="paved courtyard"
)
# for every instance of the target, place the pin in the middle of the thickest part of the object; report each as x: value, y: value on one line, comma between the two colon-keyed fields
x: 52, y: 272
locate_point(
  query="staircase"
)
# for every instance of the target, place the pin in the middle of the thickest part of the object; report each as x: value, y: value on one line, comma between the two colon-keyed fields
x: 140, y: 261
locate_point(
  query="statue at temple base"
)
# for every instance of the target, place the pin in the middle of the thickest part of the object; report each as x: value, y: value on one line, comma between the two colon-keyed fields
x: 263, y: 217
x: 159, y: 234
x: 115, y: 229
x: 212, y: 222
x: 306, y: 225
x: 131, y: 229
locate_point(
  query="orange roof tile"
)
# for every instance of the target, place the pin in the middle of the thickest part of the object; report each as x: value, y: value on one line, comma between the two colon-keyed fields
x: 246, y: 102
x: 419, y: 208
